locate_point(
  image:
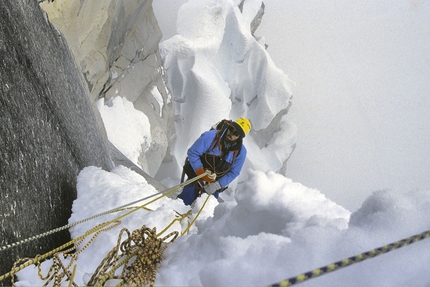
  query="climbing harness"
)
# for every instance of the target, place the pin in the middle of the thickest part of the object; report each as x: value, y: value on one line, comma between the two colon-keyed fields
x: 352, y: 260
x: 149, y: 241
x: 217, y: 164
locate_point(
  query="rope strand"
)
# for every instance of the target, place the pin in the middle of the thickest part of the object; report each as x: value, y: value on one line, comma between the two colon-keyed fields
x: 165, y: 193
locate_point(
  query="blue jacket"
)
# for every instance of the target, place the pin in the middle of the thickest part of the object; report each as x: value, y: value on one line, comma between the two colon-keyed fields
x: 201, y: 146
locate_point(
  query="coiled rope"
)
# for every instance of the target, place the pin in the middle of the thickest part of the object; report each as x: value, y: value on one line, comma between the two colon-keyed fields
x: 351, y: 260
x: 148, y: 250
x: 96, y: 229
x: 146, y: 246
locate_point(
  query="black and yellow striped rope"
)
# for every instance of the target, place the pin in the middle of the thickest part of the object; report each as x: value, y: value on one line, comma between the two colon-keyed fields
x: 351, y: 260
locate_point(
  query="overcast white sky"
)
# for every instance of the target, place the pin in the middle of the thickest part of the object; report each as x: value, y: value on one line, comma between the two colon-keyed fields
x: 362, y: 93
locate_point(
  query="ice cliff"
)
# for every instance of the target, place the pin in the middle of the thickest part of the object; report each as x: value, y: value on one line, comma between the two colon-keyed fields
x: 115, y: 45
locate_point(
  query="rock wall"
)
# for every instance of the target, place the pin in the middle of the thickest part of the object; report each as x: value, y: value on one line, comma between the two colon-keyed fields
x: 115, y: 44
x: 49, y: 131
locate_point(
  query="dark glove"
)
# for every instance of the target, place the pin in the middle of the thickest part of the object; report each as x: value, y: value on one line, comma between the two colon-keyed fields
x: 212, y: 187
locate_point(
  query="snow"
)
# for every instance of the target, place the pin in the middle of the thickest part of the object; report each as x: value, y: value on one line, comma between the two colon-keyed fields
x: 127, y: 128
x: 269, y: 227
x: 156, y: 93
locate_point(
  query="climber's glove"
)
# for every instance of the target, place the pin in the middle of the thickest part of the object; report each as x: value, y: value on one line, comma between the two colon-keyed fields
x: 212, y: 187
x: 210, y: 176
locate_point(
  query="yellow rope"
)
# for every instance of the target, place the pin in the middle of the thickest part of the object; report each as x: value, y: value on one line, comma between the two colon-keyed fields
x: 195, y: 218
x: 73, y: 275
x: 110, y: 273
x: 58, y: 264
x: 41, y: 257
x: 38, y: 258
x: 180, y: 218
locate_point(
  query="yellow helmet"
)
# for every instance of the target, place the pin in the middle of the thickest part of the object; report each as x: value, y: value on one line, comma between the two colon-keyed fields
x: 244, y: 124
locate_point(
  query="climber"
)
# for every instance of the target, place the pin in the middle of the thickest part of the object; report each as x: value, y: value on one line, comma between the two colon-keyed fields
x: 219, y: 151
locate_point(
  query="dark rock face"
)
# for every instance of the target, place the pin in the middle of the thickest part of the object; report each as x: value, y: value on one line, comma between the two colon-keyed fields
x: 48, y: 131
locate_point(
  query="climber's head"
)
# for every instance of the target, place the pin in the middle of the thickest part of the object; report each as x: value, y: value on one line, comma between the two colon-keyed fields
x: 239, y: 128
